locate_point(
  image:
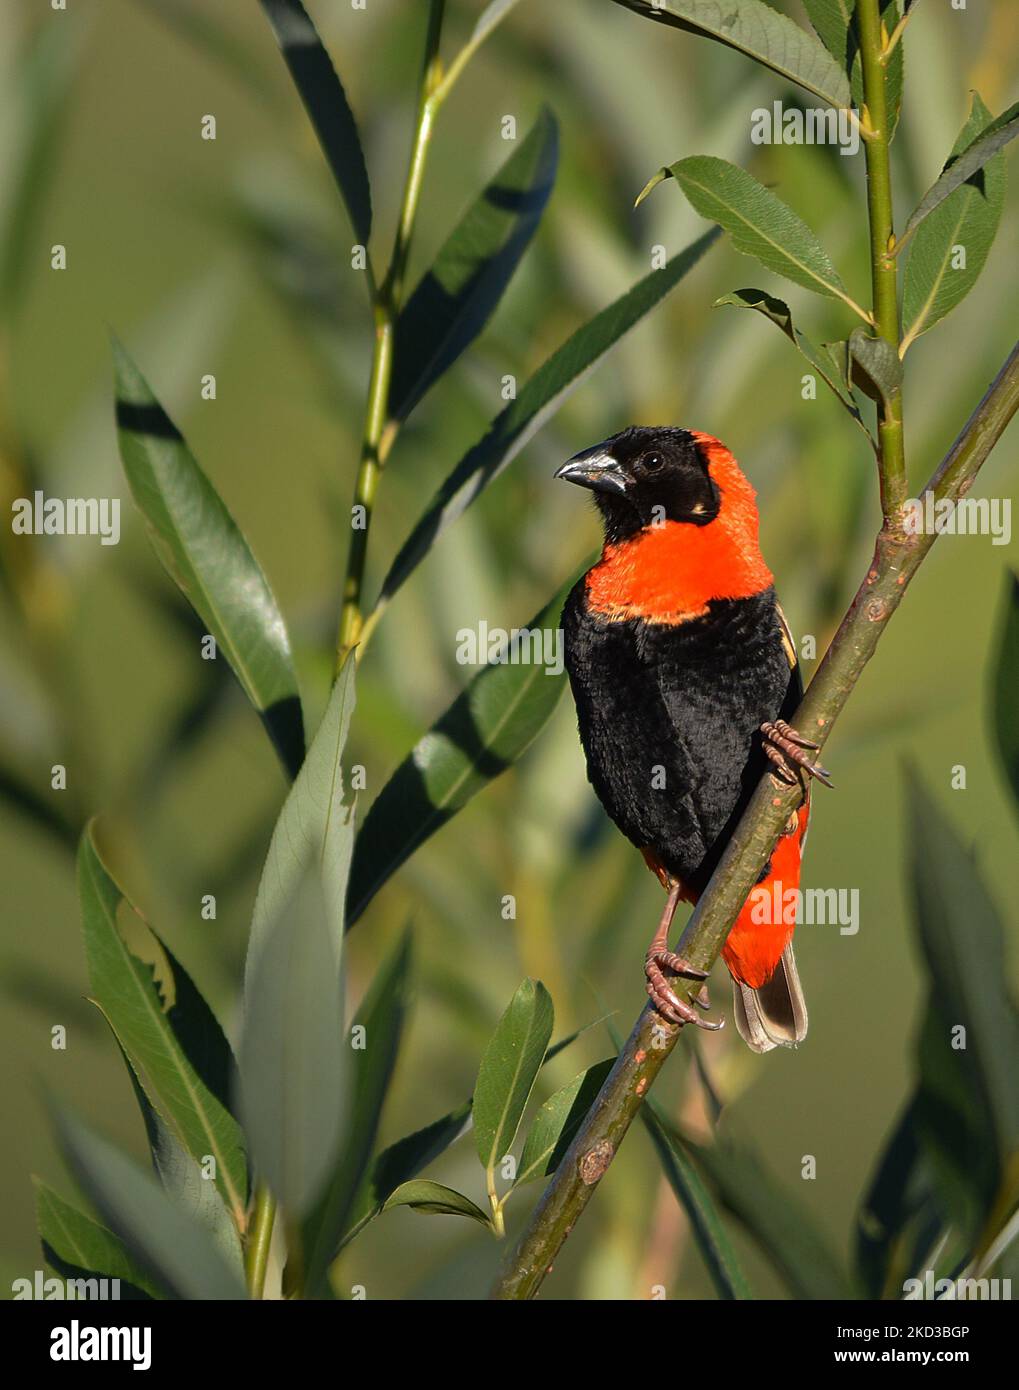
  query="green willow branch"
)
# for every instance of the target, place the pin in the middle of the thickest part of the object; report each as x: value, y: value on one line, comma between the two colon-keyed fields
x: 380, y: 431
x: 897, y: 557
x: 884, y: 276
x: 259, y: 1239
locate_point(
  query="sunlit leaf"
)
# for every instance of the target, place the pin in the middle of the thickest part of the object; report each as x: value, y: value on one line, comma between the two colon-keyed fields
x: 456, y: 296
x: 754, y: 28
x: 205, y: 553
x: 326, y: 103
x: 170, y: 1035
x: 760, y: 224
x: 557, y: 1121
x: 967, y: 220
x: 435, y: 1199
x: 509, y: 1069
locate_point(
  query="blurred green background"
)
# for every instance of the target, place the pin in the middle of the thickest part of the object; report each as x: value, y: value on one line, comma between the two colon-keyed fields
x: 231, y: 257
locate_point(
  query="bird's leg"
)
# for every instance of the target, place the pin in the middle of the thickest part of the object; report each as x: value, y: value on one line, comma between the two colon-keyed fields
x: 787, y: 750
x: 659, y: 959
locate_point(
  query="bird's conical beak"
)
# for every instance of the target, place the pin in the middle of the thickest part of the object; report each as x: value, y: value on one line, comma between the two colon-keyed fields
x: 594, y: 468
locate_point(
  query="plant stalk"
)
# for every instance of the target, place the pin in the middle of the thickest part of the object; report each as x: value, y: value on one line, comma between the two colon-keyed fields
x: 256, y: 1249
x: 897, y: 557
x: 884, y: 277
x: 377, y: 439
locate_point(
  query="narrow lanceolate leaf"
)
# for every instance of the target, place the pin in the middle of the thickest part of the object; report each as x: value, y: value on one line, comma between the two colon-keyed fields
x: 952, y: 244
x: 293, y: 1063
x: 1006, y: 683
x: 833, y: 21
x: 484, y: 731
x: 509, y: 1068
x: 401, y: 1162
x: 902, y: 1216
x: 537, y: 401
x: 695, y: 1199
x: 166, y: 1029
x: 326, y: 103
x: 760, y: 224
x: 455, y: 298
x: 375, y: 1042
x: 995, y: 137
x: 205, y: 553
x: 190, y: 1186
x: 178, y: 1253
x: 435, y: 1199
x: 316, y: 825
x: 781, y: 315
x: 557, y: 1121
x: 877, y: 367
x: 78, y: 1247
x: 759, y: 31
x: 970, y: 1046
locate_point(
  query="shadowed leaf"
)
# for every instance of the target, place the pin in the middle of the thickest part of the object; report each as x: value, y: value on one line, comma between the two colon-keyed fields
x: 434, y: 1199
x: 77, y: 1246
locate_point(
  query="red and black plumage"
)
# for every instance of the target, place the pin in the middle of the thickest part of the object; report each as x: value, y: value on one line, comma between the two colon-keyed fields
x: 677, y: 654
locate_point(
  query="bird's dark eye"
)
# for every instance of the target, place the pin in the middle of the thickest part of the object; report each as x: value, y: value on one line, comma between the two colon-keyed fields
x: 652, y: 462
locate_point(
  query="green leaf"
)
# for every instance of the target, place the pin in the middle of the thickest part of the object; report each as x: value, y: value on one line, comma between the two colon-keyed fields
x: 381, y: 1018
x: 959, y: 170
x: 484, y: 731
x: 179, y: 1173
x: 695, y: 1199
x: 969, y: 218
x: 166, y: 1240
x: 536, y: 402
x: 509, y: 1068
x: 78, y: 1247
x: 401, y: 1162
x: 455, y: 298
x: 877, y: 368
x: 293, y: 1057
x: 1006, y: 683
x: 326, y: 103
x: 760, y: 224
x: 557, y: 1122
x: 174, y: 1042
x: 405, y: 1159
x: 754, y: 28
x: 969, y: 1049
x: 204, y: 552
x: 434, y: 1199
x: 901, y: 1220
x: 316, y: 825
x: 833, y: 20
x: 780, y: 1225
x: 781, y: 315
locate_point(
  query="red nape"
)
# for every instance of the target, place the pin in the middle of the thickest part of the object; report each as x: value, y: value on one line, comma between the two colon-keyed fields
x: 669, y: 573
x: 754, y: 946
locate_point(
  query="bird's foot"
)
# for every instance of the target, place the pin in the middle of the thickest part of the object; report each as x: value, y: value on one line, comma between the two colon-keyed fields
x: 788, y: 751
x: 665, y: 999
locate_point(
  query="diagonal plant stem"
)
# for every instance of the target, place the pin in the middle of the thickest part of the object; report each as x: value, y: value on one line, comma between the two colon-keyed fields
x: 376, y: 440
x: 884, y: 274
x: 897, y: 556
x: 379, y: 432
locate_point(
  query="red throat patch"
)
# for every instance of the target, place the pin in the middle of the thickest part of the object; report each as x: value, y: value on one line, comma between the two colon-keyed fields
x: 669, y: 573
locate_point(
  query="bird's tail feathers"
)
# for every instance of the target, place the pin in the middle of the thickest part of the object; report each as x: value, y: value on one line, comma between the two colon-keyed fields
x: 775, y: 1015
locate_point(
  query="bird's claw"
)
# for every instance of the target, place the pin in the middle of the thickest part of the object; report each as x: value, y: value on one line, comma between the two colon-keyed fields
x: 666, y: 1000
x: 785, y: 749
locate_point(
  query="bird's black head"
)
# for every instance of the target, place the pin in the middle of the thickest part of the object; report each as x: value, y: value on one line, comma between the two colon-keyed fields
x: 646, y: 476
